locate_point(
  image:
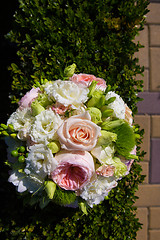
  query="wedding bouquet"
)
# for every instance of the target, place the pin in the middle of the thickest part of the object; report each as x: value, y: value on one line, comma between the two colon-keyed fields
x: 69, y: 141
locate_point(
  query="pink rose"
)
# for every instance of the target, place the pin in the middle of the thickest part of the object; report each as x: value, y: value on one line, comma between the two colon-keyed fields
x: 28, y: 98
x: 79, y: 133
x: 86, y: 80
x: 105, y: 170
x: 60, y: 108
x: 74, y: 169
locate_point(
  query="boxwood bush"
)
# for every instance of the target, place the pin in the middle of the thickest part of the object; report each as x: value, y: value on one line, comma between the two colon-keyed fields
x: 99, y: 37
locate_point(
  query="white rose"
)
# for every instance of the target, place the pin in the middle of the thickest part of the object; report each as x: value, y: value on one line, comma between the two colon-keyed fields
x: 45, y: 127
x: 40, y: 161
x: 67, y: 93
x: 95, y: 192
x: 21, y: 121
x: 118, y: 105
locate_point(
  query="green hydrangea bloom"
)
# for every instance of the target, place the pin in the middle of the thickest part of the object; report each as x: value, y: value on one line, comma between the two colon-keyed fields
x: 106, y: 138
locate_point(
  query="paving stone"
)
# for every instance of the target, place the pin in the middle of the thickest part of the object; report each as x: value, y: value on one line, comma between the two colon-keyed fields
x: 155, y: 126
x: 153, y: 16
x: 154, y: 235
x: 144, y: 122
x: 154, y: 216
x: 150, y: 103
x: 143, y: 54
x: 154, y: 69
x: 145, y: 79
x: 142, y: 214
x: 155, y: 163
x: 149, y: 195
x: 154, y: 35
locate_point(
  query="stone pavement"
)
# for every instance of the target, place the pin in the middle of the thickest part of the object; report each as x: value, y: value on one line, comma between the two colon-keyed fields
x: 149, y: 119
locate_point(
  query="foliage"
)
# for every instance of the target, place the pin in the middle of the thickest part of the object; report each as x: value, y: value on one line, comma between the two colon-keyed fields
x: 99, y: 37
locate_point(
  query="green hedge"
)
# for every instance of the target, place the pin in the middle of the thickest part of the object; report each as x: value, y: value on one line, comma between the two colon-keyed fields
x: 99, y: 37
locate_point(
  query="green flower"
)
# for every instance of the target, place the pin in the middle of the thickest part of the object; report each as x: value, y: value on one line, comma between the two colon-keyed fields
x: 43, y: 100
x: 37, y: 108
x: 106, y: 138
x: 69, y: 71
x: 95, y: 114
x: 97, y: 99
x: 120, y: 168
x: 54, y: 146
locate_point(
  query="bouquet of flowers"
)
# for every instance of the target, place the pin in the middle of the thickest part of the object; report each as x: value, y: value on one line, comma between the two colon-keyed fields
x: 69, y: 141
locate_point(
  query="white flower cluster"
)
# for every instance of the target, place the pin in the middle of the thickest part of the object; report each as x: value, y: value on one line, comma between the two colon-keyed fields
x: 40, y: 130
x: 67, y: 93
x: 96, y: 191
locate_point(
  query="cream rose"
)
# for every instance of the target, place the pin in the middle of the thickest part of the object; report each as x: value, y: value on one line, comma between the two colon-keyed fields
x: 74, y: 169
x: 79, y: 133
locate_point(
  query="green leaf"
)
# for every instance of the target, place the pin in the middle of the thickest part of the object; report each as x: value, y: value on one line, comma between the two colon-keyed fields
x: 125, y: 139
x: 83, y: 207
x: 44, y: 202
x: 64, y: 197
